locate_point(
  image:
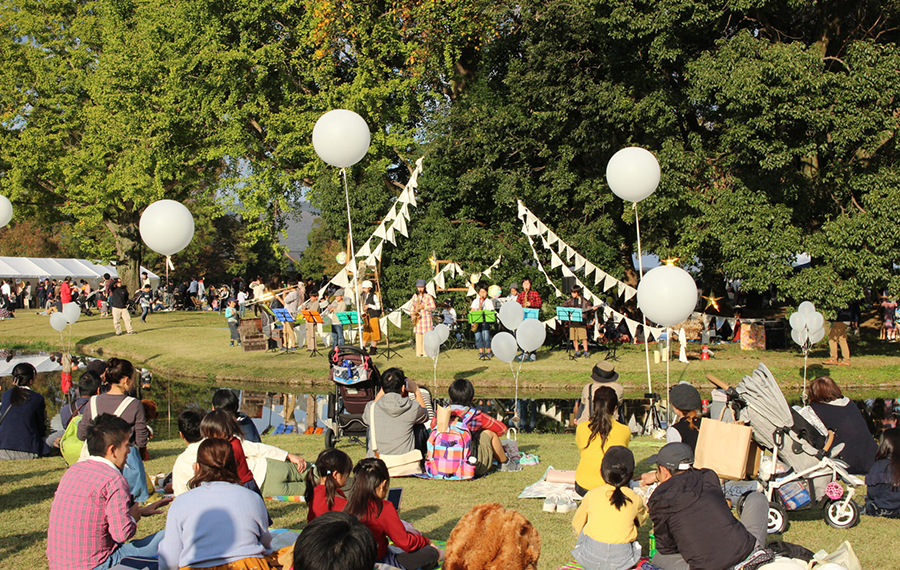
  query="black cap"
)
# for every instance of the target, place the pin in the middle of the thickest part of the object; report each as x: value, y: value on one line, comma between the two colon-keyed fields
x: 674, y: 456
x: 685, y: 397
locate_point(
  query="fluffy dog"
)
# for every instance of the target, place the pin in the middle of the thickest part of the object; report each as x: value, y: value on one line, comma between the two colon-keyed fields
x: 490, y: 537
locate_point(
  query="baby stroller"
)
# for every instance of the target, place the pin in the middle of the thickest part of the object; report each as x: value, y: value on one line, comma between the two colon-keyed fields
x: 814, y: 478
x: 356, y: 382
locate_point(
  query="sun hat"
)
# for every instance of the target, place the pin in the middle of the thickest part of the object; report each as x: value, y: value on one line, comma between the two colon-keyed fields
x: 339, y: 293
x: 604, y: 372
x: 420, y: 283
x: 366, y: 284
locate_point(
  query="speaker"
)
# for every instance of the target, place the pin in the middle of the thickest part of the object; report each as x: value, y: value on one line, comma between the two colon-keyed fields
x: 776, y: 335
x: 568, y: 283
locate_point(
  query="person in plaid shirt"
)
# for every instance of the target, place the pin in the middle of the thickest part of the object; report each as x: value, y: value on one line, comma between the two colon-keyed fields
x: 484, y: 429
x: 529, y: 299
x: 92, y: 516
x: 421, y: 305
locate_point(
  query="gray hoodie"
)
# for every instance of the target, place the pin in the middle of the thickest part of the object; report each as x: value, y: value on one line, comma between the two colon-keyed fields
x: 395, y: 416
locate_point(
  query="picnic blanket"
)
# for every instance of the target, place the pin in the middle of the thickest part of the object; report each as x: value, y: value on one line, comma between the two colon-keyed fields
x: 287, y: 498
x: 543, y: 488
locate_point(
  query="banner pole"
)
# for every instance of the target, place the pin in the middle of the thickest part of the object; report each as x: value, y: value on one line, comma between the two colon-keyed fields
x: 353, y: 261
x: 637, y: 224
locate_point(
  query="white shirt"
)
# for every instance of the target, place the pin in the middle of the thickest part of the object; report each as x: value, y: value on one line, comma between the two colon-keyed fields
x: 242, y: 297
x: 256, y: 453
x: 4, y: 289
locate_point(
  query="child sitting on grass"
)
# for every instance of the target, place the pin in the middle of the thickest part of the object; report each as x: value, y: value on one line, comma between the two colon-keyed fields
x: 367, y: 502
x: 231, y: 315
x: 607, y: 520
x: 883, y: 480
x: 324, y: 482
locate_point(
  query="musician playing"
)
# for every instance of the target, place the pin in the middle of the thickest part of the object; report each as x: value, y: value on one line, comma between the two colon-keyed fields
x: 578, y: 331
x: 337, y: 306
x: 483, y: 330
x: 371, y: 310
x: 312, y: 304
x: 290, y: 298
x: 420, y: 311
x: 529, y: 299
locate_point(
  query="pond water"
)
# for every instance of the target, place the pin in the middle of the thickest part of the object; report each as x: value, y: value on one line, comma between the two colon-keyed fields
x: 267, y: 404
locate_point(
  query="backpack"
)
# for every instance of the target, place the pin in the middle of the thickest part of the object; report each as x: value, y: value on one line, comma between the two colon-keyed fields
x: 69, y: 444
x: 82, y: 449
x: 450, y: 454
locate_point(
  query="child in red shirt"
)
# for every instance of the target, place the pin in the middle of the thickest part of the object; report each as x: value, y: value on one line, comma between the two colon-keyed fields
x: 367, y: 503
x: 324, y: 482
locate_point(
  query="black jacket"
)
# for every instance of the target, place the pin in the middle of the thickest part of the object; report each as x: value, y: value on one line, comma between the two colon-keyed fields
x: 25, y: 425
x: 690, y: 517
x: 849, y: 428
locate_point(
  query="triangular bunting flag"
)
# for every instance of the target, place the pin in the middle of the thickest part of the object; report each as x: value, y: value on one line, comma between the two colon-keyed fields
x: 551, y: 323
x: 400, y: 225
x: 377, y: 252
x: 630, y: 292
x: 379, y: 231
x: 341, y: 279
x: 403, y: 198
x: 632, y: 326
x: 365, y: 250
x: 439, y: 279
x: 389, y: 235
x: 555, y: 261
x: 567, y: 272
x: 579, y: 262
x: 521, y: 209
x: 570, y: 253
x: 404, y: 211
x: 383, y: 325
x: 392, y: 214
x: 589, y: 268
x: 599, y: 276
x: 609, y: 283
x: 541, y: 227
x: 395, y: 317
x: 430, y: 288
x: 471, y: 292
x: 551, y: 238
x: 621, y: 289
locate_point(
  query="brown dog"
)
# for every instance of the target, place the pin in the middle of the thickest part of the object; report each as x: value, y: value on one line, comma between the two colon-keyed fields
x: 490, y: 537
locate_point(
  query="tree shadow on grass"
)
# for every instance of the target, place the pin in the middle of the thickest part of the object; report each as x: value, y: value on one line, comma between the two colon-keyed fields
x: 15, y: 543
x: 12, y: 477
x: 467, y: 373
x: 31, y: 495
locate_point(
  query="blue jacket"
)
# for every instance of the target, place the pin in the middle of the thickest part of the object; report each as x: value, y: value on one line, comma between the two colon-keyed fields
x: 24, y: 427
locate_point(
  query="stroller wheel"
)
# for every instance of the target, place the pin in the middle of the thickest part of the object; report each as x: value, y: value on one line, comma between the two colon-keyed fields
x: 777, y: 520
x: 838, y: 517
x: 329, y: 438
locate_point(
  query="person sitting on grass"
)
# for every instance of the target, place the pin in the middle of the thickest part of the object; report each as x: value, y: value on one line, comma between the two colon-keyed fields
x: 189, y: 431
x: 397, y: 418
x: 217, y: 523
x: 92, y: 516
x: 594, y: 437
x: 225, y: 399
x: 607, y: 520
x: 484, y: 429
x: 883, y: 480
x: 335, y: 541
x: 323, y: 483
x: 24, y: 416
x: 411, y: 550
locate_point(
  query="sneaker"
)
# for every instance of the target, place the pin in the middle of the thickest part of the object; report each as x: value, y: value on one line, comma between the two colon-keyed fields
x: 130, y: 332
x: 757, y: 559
x: 550, y: 503
x: 510, y: 465
x: 577, y: 354
x: 565, y: 504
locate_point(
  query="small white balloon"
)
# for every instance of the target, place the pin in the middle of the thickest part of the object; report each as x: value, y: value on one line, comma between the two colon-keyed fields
x: 798, y: 321
x: 71, y: 311
x: 58, y: 321
x: 443, y: 332
x: 806, y: 308
x: 531, y: 335
x: 816, y: 335
x: 667, y: 295
x: 6, y: 211
x: 167, y: 227
x: 503, y: 346
x: 795, y: 335
x: 432, y: 342
x: 511, y: 315
x: 341, y: 138
x: 815, y: 321
x: 633, y: 173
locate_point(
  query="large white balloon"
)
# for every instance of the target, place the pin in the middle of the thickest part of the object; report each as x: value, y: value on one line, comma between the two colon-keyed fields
x: 58, y: 321
x: 432, y: 342
x: 341, y: 138
x: 795, y: 334
x: 443, y: 332
x: 815, y: 321
x: 798, y: 320
x: 5, y: 211
x: 667, y: 295
x: 167, y: 227
x: 816, y: 335
x: 511, y: 315
x: 71, y: 311
x: 531, y: 334
x: 806, y: 308
x: 633, y: 173
x: 504, y: 346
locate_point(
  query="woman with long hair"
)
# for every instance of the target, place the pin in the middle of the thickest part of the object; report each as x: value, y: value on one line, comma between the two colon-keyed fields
x: 597, y: 435
x: 835, y: 412
x: 23, y: 417
x: 367, y: 503
x: 119, y: 376
x: 883, y: 480
x: 217, y: 524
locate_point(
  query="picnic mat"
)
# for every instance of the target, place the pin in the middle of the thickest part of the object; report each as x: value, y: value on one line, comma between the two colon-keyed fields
x: 543, y: 488
x: 287, y: 498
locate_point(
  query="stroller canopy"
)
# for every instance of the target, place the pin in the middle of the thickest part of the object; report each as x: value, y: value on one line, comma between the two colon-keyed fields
x: 767, y: 409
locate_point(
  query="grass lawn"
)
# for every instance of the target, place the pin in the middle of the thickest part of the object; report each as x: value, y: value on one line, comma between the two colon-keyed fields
x: 432, y: 506
x: 195, y: 345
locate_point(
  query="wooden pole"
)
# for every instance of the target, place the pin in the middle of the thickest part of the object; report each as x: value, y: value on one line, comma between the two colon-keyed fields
x: 387, y: 328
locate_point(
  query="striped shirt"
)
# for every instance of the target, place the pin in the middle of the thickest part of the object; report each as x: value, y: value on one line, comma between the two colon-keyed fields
x: 89, y: 517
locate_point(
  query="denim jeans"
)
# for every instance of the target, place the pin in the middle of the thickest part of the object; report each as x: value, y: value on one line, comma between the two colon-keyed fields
x: 146, y: 547
x: 337, y: 335
x: 136, y: 475
x: 483, y: 337
x: 591, y: 553
x: 144, y: 312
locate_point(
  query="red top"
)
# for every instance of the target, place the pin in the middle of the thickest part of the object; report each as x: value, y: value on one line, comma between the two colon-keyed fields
x: 243, y: 470
x: 65, y: 293
x: 533, y: 297
x: 389, y: 525
x: 319, y: 505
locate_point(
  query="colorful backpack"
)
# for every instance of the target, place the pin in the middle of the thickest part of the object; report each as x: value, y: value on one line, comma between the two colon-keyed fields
x: 450, y: 453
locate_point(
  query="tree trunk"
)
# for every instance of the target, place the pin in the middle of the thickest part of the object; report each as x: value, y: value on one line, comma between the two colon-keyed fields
x: 129, y: 253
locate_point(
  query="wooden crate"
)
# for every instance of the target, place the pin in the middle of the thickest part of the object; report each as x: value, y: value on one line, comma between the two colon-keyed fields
x: 255, y: 343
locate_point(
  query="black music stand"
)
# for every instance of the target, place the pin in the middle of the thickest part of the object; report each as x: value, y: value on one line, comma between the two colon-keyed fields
x: 388, y: 352
x: 569, y: 315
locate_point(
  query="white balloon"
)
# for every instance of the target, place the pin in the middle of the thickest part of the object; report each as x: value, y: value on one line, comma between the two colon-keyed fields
x: 432, y: 342
x: 798, y: 321
x: 531, y: 334
x: 58, y: 321
x: 795, y: 335
x: 816, y: 335
x: 504, y: 345
x: 815, y: 321
x: 167, y: 227
x: 511, y: 315
x: 806, y: 308
x: 341, y: 138
x: 667, y: 295
x: 633, y: 173
x: 5, y: 211
x: 443, y: 332
x: 71, y: 311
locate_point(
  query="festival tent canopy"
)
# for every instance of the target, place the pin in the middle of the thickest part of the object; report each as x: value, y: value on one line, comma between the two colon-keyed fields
x: 45, y: 267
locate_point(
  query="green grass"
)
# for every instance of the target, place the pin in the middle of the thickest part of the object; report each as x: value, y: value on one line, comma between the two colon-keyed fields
x: 434, y: 507
x: 195, y: 345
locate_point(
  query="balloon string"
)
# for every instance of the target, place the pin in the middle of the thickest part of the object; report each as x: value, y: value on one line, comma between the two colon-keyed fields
x: 637, y: 224
x: 353, y: 260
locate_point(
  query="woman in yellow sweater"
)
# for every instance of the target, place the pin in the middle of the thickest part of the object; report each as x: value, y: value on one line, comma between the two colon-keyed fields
x: 596, y: 436
x: 607, y: 520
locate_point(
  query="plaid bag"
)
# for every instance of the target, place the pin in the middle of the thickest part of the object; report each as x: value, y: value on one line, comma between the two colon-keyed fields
x: 450, y: 454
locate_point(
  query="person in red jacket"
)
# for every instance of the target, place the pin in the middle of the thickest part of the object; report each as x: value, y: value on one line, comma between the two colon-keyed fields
x: 367, y: 502
x: 65, y: 291
x: 324, y: 482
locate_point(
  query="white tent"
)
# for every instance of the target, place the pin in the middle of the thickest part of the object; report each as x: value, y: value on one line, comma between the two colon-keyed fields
x: 24, y: 268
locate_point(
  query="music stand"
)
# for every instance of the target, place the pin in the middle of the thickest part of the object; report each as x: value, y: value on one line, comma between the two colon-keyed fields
x: 283, y: 316
x: 387, y: 352
x: 569, y: 315
x: 315, y: 318
x: 532, y: 313
x: 479, y: 317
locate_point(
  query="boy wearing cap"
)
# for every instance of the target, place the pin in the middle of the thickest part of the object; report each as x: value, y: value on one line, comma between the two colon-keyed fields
x: 337, y: 329
x: 603, y: 374
x: 372, y: 310
x: 421, y: 306
x: 692, y: 522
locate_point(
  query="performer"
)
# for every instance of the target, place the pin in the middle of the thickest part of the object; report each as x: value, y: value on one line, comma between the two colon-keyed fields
x: 528, y: 297
x: 578, y: 331
x: 513, y: 293
x: 420, y: 311
x: 483, y: 330
x: 312, y: 304
x: 371, y: 310
x: 290, y: 298
x: 337, y: 306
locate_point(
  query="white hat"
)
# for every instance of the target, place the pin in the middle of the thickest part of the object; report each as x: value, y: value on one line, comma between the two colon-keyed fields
x: 366, y: 284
